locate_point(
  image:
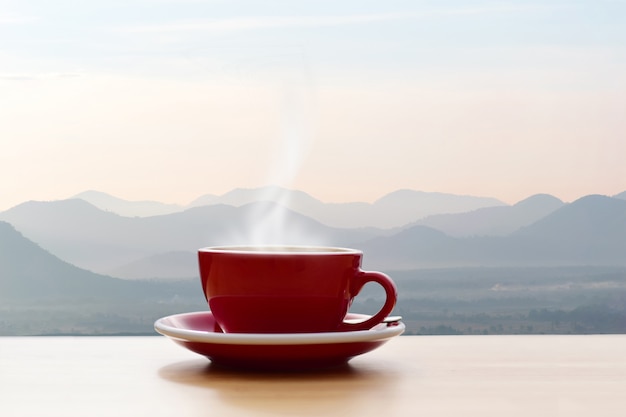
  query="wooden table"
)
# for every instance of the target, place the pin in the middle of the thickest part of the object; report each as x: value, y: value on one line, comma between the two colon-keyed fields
x: 409, y: 376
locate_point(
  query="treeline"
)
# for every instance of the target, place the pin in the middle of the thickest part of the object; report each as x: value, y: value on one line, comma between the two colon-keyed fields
x: 584, y: 319
x: 592, y: 319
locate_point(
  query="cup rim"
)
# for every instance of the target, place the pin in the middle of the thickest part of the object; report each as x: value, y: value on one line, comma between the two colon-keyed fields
x: 280, y: 250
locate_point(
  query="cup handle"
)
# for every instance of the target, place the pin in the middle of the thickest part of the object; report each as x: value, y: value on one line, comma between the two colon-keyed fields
x: 391, y: 293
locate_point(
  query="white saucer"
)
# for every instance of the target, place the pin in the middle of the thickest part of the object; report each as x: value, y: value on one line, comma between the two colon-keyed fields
x: 200, y: 333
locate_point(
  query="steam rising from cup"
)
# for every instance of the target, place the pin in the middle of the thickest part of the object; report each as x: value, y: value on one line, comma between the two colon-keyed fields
x: 270, y: 221
x: 267, y: 222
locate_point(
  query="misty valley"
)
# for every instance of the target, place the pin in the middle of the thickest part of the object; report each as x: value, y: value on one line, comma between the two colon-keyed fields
x: 554, y: 300
x: 535, y: 300
x: 462, y: 265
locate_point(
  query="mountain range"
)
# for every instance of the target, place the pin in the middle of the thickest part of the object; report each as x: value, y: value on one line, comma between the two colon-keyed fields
x: 540, y: 230
x: 392, y: 210
x: 588, y: 231
x: 494, y: 221
x: 90, y: 238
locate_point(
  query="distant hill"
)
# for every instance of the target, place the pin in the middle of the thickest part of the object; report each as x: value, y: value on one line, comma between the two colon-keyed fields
x: 415, y: 247
x: 589, y: 231
x: 593, y: 228
x: 494, y: 221
x: 127, y: 208
x: 621, y: 196
x: 41, y: 294
x: 166, y: 265
x: 29, y: 273
x: 242, y: 196
x: 393, y: 210
x: 80, y: 233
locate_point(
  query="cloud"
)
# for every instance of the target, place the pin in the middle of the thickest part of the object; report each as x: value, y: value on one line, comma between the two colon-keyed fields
x: 32, y: 77
x: 236, y: 24
x: 16, y: 19
x: 251, y: 23
x: 17, y: 77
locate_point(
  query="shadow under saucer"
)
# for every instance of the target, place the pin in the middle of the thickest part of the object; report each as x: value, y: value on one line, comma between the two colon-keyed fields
x: 315, y: 392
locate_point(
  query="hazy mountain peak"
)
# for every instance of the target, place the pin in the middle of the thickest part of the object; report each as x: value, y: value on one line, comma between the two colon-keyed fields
x: 204, y: 200
x: 69, y: 206
x: 401, y: 193
x: 241, y: 196
x: 543, y: 199
x: 94, y: 195
x: 586, y: 219
x: 496, y: 220
x: 593, y: 199
x: 127, y: 208
x: 416, y: 195
x: 406, y: 206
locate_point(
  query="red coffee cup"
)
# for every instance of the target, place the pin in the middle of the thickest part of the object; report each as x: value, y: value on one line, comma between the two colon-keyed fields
x: 287, y: 289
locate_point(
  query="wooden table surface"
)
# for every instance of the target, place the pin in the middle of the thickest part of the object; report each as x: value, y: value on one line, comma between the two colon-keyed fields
x: 409, y: 376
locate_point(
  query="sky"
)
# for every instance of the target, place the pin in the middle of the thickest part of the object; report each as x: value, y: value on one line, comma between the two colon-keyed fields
x: 170, y: 100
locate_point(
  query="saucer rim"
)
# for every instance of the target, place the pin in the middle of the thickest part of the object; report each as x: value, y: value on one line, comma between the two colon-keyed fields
x: 379, y: 332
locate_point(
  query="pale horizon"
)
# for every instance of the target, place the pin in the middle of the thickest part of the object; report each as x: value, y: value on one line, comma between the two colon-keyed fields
x: 168, y: 101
